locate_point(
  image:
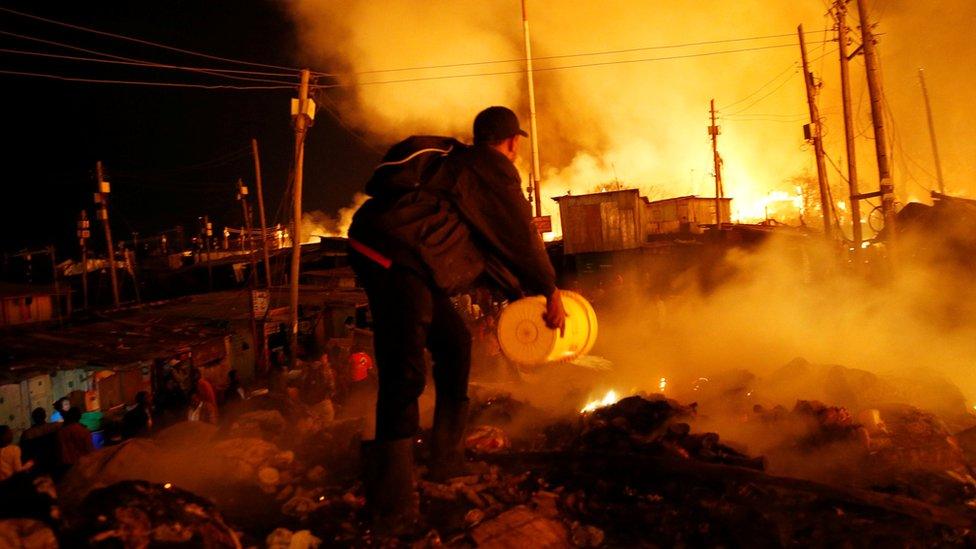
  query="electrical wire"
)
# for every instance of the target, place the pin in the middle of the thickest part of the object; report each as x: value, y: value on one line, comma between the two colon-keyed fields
x: 582, y: 54
x: 563, y: 67
x: 150, y: 43
x: 329, y: 106
x: 144, y: 83
x: 146, y: 64
x: 775, y: 115
x: 792, y: 66
x: 220, y: 160
x: 760, y: 99
x: 733, y: 120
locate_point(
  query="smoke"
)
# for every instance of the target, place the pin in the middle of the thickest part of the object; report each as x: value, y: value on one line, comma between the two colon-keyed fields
x: 638, y: 118
x: 911, y: 331
x: 642, y: 122
x: 317, y: 224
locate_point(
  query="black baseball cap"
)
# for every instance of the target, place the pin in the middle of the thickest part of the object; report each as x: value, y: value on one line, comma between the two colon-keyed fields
x: 496, y: 123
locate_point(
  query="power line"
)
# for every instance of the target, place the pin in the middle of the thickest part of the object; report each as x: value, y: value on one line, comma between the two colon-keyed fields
x: 150, y: 43
x: 329, y: 106
x: 562, y: 67
x: 582, y: 54
x: 143, y: 83
x: 773, y: 115
x: 792, y: 66
x: 757, y: 101
x: 132, y: 59
x: 145, y: 64
x: 218, y: 161
x: 774, y: 90
x: 733, y: 120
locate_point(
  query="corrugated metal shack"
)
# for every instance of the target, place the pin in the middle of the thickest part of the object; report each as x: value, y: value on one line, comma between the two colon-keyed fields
x: 27, y: 304
x: 619, y: 238
x: 623, y: 220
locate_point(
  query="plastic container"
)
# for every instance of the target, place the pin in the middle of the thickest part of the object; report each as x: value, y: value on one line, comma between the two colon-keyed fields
x: 526, y: 340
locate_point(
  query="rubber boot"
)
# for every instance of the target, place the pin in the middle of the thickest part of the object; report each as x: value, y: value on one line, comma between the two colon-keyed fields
x: 447, y: 442
x: 391, y: 497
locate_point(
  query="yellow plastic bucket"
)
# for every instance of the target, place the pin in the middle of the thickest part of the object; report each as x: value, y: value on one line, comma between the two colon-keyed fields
x: 526, y: 340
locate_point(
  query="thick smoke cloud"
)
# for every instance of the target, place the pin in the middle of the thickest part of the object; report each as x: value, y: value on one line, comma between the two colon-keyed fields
x: 642, y: 123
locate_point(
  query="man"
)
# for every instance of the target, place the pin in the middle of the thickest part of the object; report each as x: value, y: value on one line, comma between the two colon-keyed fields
x: 74, y: 439
x: 137, y: 422
x: 39, y: 442
x: 205, y: 395
x: 442, y: 217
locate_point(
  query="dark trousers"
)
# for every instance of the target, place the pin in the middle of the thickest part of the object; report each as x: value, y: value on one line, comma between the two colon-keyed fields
x: 409, y: 316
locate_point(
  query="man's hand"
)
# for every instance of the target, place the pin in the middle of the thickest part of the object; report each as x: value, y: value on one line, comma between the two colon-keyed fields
x: 555, y: 315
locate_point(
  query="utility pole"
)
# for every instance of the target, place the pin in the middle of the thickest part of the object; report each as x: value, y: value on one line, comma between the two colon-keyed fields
x: 935, y: 145
x: 264, y: 226
x: 57, y: 285
x: 713, y: 131
x: 207, y: 233
x: 886, y: 188
x: 815, y: 135
x: 101, y: 200
x: 133, y: 262
x: 845, y: 87
x: 84, y: 233
x: 533, y: 129
x: 302, y: 115
x: 242, y: 193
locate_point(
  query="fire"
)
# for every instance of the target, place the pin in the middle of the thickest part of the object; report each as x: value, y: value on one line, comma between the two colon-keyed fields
x: 608, y: 399
x: 317, y: 224
x: 662, y: 384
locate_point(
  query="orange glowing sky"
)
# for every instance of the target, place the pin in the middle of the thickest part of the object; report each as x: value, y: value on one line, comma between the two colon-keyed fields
x: 639, y: 116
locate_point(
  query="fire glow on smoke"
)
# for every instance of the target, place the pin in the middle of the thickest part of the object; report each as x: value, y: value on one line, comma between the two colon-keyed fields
x: 610, y: 121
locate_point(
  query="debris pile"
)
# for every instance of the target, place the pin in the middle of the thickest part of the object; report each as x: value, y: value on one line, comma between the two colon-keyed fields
x: 142, y: 514
x: 651, y: 426
x: 633, y: 471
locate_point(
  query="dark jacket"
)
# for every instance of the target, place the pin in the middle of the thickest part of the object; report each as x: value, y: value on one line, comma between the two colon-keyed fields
x: 486, y: 190
x: 455, y: 213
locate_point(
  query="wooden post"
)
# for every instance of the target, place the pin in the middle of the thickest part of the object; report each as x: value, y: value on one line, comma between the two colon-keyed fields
x: 101, y: 199
x: 845, y: 87
x: 815, y: 135
x: 57, y: 285
x: 935, y: 144
x: 207, y: 233
x: 886, y: 186
x: 264, y: 225
x: 83, y: 234
x: 717, y: 160
x: 533, y: 129
x: 302, y: 121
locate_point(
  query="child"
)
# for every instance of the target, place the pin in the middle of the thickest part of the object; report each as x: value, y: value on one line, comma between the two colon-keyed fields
x: 10, y: 463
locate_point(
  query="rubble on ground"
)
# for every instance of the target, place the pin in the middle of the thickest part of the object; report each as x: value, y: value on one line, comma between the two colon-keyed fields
x: 22, y: 533
x: 635, y: 471
x: 143, y: 514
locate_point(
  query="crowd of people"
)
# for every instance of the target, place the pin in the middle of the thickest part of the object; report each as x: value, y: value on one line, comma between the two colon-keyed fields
x: 46, y: 447
x: 57, y: 441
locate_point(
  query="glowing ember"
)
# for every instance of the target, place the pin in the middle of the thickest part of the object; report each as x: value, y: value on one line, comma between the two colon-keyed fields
x: 662, y: 385
x: 608, y: 399
x: 699, y: 383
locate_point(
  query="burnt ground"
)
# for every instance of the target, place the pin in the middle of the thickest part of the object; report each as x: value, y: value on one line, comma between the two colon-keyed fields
x: 644, y: 471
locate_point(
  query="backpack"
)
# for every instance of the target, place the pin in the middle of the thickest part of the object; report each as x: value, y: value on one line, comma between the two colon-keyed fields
x: 409, y: 217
